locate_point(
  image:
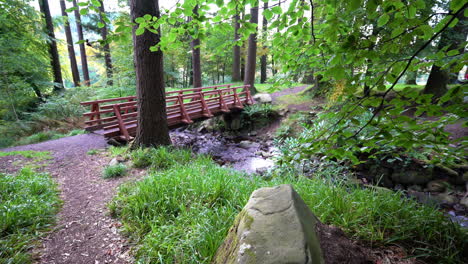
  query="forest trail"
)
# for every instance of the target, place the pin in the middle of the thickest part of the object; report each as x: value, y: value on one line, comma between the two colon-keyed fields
x: 84, y: 232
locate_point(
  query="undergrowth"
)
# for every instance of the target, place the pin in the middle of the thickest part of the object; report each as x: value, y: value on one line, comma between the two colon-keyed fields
x: 182, y: 212
x: 28, y: 204
x: 114, y: 171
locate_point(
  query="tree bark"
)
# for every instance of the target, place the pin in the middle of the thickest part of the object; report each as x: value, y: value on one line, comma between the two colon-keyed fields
x: 236, y: 59
x: 84, y: 58
x: 263, y: 59
x: 106, y: 48
x: 196, y: 64
x: 53, y: 52
x: 454, y: 37
x: 252, y: 51
x: 71, y: 49
x: 152, y: 127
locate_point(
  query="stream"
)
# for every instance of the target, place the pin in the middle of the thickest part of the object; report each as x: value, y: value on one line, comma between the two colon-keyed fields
x: 242, y: 153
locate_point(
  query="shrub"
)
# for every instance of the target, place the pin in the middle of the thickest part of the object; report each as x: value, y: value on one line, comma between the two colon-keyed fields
x: 28, y: 204
x: 114, y: 171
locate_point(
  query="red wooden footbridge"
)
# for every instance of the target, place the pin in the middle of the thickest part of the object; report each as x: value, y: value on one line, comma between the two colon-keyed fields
x: 117, y: 117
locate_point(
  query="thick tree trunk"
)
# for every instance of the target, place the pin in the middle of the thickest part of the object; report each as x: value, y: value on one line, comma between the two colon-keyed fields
x: 236, y: 59
x: 455, y: 37
x: 437, y: 82
x: 71, y: 49
x: 152, y: 128
x: 106, y: 48
x: 196, y: 64
x: 53, y: 52
x: 252, y: 51
x: 263, y: 59
x: 84, y: 58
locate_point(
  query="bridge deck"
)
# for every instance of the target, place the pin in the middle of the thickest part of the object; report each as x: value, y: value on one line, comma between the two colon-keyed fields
x: 117, y: 117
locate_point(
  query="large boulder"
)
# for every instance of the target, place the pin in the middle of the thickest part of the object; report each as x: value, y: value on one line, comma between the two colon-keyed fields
x: 276, y: 226
x: 263, y: 98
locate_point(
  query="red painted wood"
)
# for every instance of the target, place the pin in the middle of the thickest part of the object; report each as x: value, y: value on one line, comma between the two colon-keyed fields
x: 118, y: 116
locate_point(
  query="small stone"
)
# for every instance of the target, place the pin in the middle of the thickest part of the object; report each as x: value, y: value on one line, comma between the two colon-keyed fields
x: 464, y: 201
x: 436, y: 186
x: 246, y: 144
x: 263, y: 98
x: 446, y: 198
x: 113, y: 162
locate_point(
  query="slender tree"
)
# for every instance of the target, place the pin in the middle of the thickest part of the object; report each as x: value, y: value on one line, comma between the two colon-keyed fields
x: 53, y: 52
x: 84, y: 59
x: 71, y: 49
x: 236, y: 59
x: 152, y: 127
x: 263, y: 59
x: 106, y: 48
x: 196, y: 64
x: 252, y: 50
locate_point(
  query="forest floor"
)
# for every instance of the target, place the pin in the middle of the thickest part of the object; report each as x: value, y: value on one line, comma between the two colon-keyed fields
x: 84, y: 233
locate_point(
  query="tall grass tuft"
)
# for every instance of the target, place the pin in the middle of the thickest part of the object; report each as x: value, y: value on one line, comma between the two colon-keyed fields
x: 28, y: 204
x: 183, y: 212
x: 114, y: 171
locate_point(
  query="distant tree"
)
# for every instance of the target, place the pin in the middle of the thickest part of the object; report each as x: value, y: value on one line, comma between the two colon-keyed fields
x: 106, y: 47
x: 71, y: 49
x: 84, y: 59
x: 454, y: 38
x: 152, y: 127
x: 250, y: 67
x: 263, y: 59
x: 236, y: 58
x: 53, y: 52
x: 196, y: 63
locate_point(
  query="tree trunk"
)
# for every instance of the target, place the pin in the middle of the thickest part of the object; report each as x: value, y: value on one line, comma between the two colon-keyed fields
x: 84, y: 59
x: 411, y: 78
x: 152, y: 127
x: 53, y: 52
x: 196, y: 64
x: 71, y: 49
x: 106, y: 48
x: 252, y: 51
x: 236, y: 59
x: 263, y: 59
x: 455, y: 37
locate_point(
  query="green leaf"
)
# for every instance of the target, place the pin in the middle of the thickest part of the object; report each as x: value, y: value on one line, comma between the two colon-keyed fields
x: 139, y: 20
x: 267, y: 14
x: 84, y: 11
x: 139, y: 31
x: 82, y: 4
x: 96, y: 3
x: 100, y: 25
x: 68, y: 10
x: 383, y: 20
x: 147, y: 17
x: 453, y: 53
x: 277, y: 10
x: 354, y: 4
x: 80, y: 41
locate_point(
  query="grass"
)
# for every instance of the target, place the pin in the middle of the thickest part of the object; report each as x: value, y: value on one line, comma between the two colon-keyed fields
x: 181, y: 212
x: 28, y: 204
x: 46, y: 135
x: 114, y: 171
x: 30, y: 154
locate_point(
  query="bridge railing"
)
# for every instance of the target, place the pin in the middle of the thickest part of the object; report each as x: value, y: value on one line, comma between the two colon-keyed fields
x: 118, y: 116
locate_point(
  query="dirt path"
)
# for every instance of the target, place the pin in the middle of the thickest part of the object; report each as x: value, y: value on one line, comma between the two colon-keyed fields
x: 84, y: 232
